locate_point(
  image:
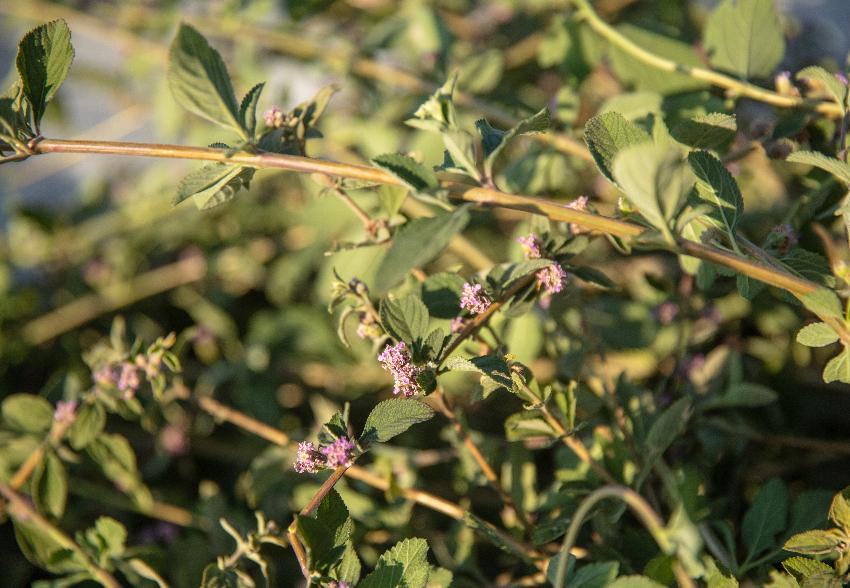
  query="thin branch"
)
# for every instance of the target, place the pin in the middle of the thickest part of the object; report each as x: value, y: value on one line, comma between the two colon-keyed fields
x: 733, y: 86
x: 20, y: 510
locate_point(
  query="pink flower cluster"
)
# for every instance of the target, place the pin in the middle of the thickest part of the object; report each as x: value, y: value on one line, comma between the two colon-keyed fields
x: 65, y: 411
x: 126, y: 375
x: 396, y: 360
x: 552, y: 277
x: 579, y: 204
x: 474, y: 299
x: 274, y: 117
x: 309, y: 459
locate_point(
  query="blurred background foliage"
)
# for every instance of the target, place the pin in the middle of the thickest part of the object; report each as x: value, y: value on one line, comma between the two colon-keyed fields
x: 246, y: 285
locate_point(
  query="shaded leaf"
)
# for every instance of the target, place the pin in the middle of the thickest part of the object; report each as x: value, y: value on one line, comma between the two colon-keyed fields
x: 766, y: 518
x: 706, y: 131
x: 716, y: 186
x: 406, y: 319
x: 214, y: 184
x: 50, y: 486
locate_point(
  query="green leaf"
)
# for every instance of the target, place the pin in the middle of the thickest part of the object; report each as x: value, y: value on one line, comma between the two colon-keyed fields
x: 481, y: 72
x: 492, y: 367
x: 28, y: 413
x: 816, y: 542
x: 645, y: 77
x: 214, y: 184
x: 609, y: 133
x: 839, y: 509
x: 715, y: 578
x: 594, y: 575
x: 403, y: 566
x: 441, y: 294
x: 108, y: 537
x: 836, y: 167
x: 333, y: 513
x: 766, y: 518
x: 41, y: 548
x: 823, y: 302
x: 716, y: 186
x: 743, y: 394
x: 318, y: 540
x: 837, y: 369
x: 706, y: 131
x: 200, y: 82
x: 348, y: 568
x: 634, y: 582
x: 655, y: 180
x: 44, y: 58
x: 248, y: 109
x: 803, y: 567
x: 461, y: 147
x: 495, y: 141
x: 49, y: 486
x: 528, y: 424
x: 413, y: 174
x: 116, y: 458
x: 666, y: 428
x: 817, y: 335
x: 88, y: 424
x: 745, y: 37
x: 393, y: 417
x: 833, y: 86
x: 406, y: 319
x: 417, y: 243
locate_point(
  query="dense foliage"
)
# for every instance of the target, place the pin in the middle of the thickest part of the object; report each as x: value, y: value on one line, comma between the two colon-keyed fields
x: 548, y: 293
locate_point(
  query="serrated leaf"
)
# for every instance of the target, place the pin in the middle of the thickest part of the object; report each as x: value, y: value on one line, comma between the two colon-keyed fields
x: 839, y: 509
x: 199, y: 80
x: 836, y: 167
x: 804, y: 567
x: 837, y: 369
x: 348, y: 569
x: 44, y: 58
x: 706, y: 131
x: 417, y: 243
x: 815, y: 542
x: 414, y: 175
x: 655, y: 180
x: 248, y: 109
x: 403, y: 566
x: 823, y: 302
x: 49, y: 486
x: 833, y: 86
x: 765, y: 519
x: 745, y: 37
x: 817, y: 335
x: 716, y: 186
x: 495, y: 141
x: 393, y: 417
x: 406, y: 319
x: 28, y: 413
x: 607, y: 134
x: 214, y: 184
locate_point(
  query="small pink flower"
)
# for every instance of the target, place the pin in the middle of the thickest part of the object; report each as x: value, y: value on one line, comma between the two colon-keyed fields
x: 173, y: 440
x: 579, y: 204
x: 65, y: 411
x: 339, y: 453
x: 551, y: 278
x: 841, y: 78
x: 474, y: 299
x: 530, y: 246
x: 128, y: 381
x: 274, y: 117
x: 307, y: 459
x: 396, y: 360
x: 106, y: 376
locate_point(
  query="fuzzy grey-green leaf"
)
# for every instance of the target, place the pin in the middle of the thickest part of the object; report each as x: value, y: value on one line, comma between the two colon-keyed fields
x: 406, y: 319
x: 607, y: 134
x: 393, y: 417
x: 403, y: 566
x: 836, y: 167
x: 413, y: 174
